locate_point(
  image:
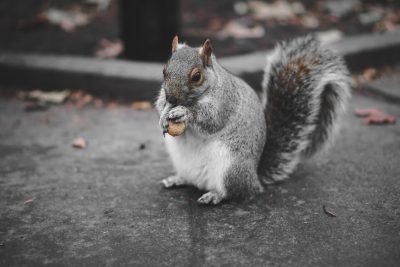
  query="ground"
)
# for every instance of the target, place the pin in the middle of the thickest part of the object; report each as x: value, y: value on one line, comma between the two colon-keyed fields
x: 104, y: 205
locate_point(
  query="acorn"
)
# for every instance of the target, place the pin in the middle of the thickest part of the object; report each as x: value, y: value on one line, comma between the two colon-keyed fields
x: 176, y: 128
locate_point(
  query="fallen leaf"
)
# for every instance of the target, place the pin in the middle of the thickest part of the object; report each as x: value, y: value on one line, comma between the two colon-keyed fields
x: 366, y: 76
x: 98, y: 103
x: 49, y: 97
x: 375, y: 116
x: 112, y: 105
x: 385, y: 25
x: 29, y: 201
x: 390, y: 22
x: 82, y: 100
x: 281, y: 10
x: 370, y: 74
x: 79, y: 143
x: 240, y: 8
x: 141, y: 105
x: 329, y: 36
x: 101, y: 4
x: 215, y: 24
x: 371, y: 17
x: 79, y: 99
x: 66, y: 20
x: 109, y: 49
x: 310, y: 21
x: 341, y: 8
x: 239, y: 31
x: 76, y: 95
x: 328, y: 212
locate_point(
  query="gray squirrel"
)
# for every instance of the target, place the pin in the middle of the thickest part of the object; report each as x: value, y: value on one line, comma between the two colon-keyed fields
x: 235, y: 141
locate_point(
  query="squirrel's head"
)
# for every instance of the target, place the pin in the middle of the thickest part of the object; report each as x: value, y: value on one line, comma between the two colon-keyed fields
x: 188, y: 73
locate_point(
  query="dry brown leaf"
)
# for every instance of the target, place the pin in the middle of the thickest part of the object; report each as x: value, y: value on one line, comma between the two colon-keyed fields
x: 101, y: 4
x: 281, y: 9
x: 367, y: 75
x: 49, y: 97
x: 141, y: 105
x: 84, y: 100
x: 310, y: 21
x: 66, y: 20
x: 112, y: 105
x: 29, y: 201
x: 370, y: 74
x: 79, y: 143
x: 374, y: 116
x: 328, y: 212
x: 237, y: 30
x: 109, y: 49
x: 98, y: 103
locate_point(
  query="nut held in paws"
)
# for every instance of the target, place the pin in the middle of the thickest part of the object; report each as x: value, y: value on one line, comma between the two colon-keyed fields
x: 176, y: 128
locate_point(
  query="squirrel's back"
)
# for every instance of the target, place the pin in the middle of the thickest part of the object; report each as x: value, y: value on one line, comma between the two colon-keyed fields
x: 305, y: 91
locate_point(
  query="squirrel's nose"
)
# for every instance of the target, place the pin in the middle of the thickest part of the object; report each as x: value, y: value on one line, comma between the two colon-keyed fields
x: 172, y: 99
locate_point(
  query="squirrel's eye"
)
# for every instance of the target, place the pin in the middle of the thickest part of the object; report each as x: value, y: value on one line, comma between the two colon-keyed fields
x: 195, y: 76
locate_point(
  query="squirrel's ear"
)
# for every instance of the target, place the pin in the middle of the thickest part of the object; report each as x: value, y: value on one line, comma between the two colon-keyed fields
x: 175, y: 43
x: 205, y: 52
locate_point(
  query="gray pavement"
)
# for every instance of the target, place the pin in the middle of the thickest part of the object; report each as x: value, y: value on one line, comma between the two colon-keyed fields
x: 103, y: 206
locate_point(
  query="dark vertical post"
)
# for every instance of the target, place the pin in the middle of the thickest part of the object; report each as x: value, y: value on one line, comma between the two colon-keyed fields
x: 147, y: 28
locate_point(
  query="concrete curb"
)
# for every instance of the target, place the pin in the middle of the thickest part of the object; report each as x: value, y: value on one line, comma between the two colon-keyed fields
x: 141, y: 80
x: 111, y: 77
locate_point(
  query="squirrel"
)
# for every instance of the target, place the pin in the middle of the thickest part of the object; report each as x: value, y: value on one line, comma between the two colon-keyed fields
x: 237, y: 142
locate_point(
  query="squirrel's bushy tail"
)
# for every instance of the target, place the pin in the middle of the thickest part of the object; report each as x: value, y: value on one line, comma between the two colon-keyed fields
x: 305, y: 91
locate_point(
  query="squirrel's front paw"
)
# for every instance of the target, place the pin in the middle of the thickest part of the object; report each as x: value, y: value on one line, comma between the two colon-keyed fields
x: 179, y: 114
x: 164, y: 124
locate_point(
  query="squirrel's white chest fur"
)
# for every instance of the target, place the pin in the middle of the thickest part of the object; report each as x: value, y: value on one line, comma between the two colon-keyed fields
x: 202, y: 163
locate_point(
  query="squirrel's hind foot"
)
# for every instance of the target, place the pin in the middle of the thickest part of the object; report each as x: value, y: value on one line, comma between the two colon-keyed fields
x: 173, y: 181
x: 211, y: 197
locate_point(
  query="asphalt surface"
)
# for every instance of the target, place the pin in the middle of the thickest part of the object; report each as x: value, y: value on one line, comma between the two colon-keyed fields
x: 104, y: 206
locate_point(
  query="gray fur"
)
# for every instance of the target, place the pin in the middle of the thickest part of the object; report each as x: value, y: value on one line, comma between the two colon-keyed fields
x: 305, y: 91
x: 306, y: 88
x: 225, y: 108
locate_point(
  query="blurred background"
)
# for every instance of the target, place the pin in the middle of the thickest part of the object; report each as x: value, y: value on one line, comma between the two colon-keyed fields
x: 82, y: 154
x: 142, y: 30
